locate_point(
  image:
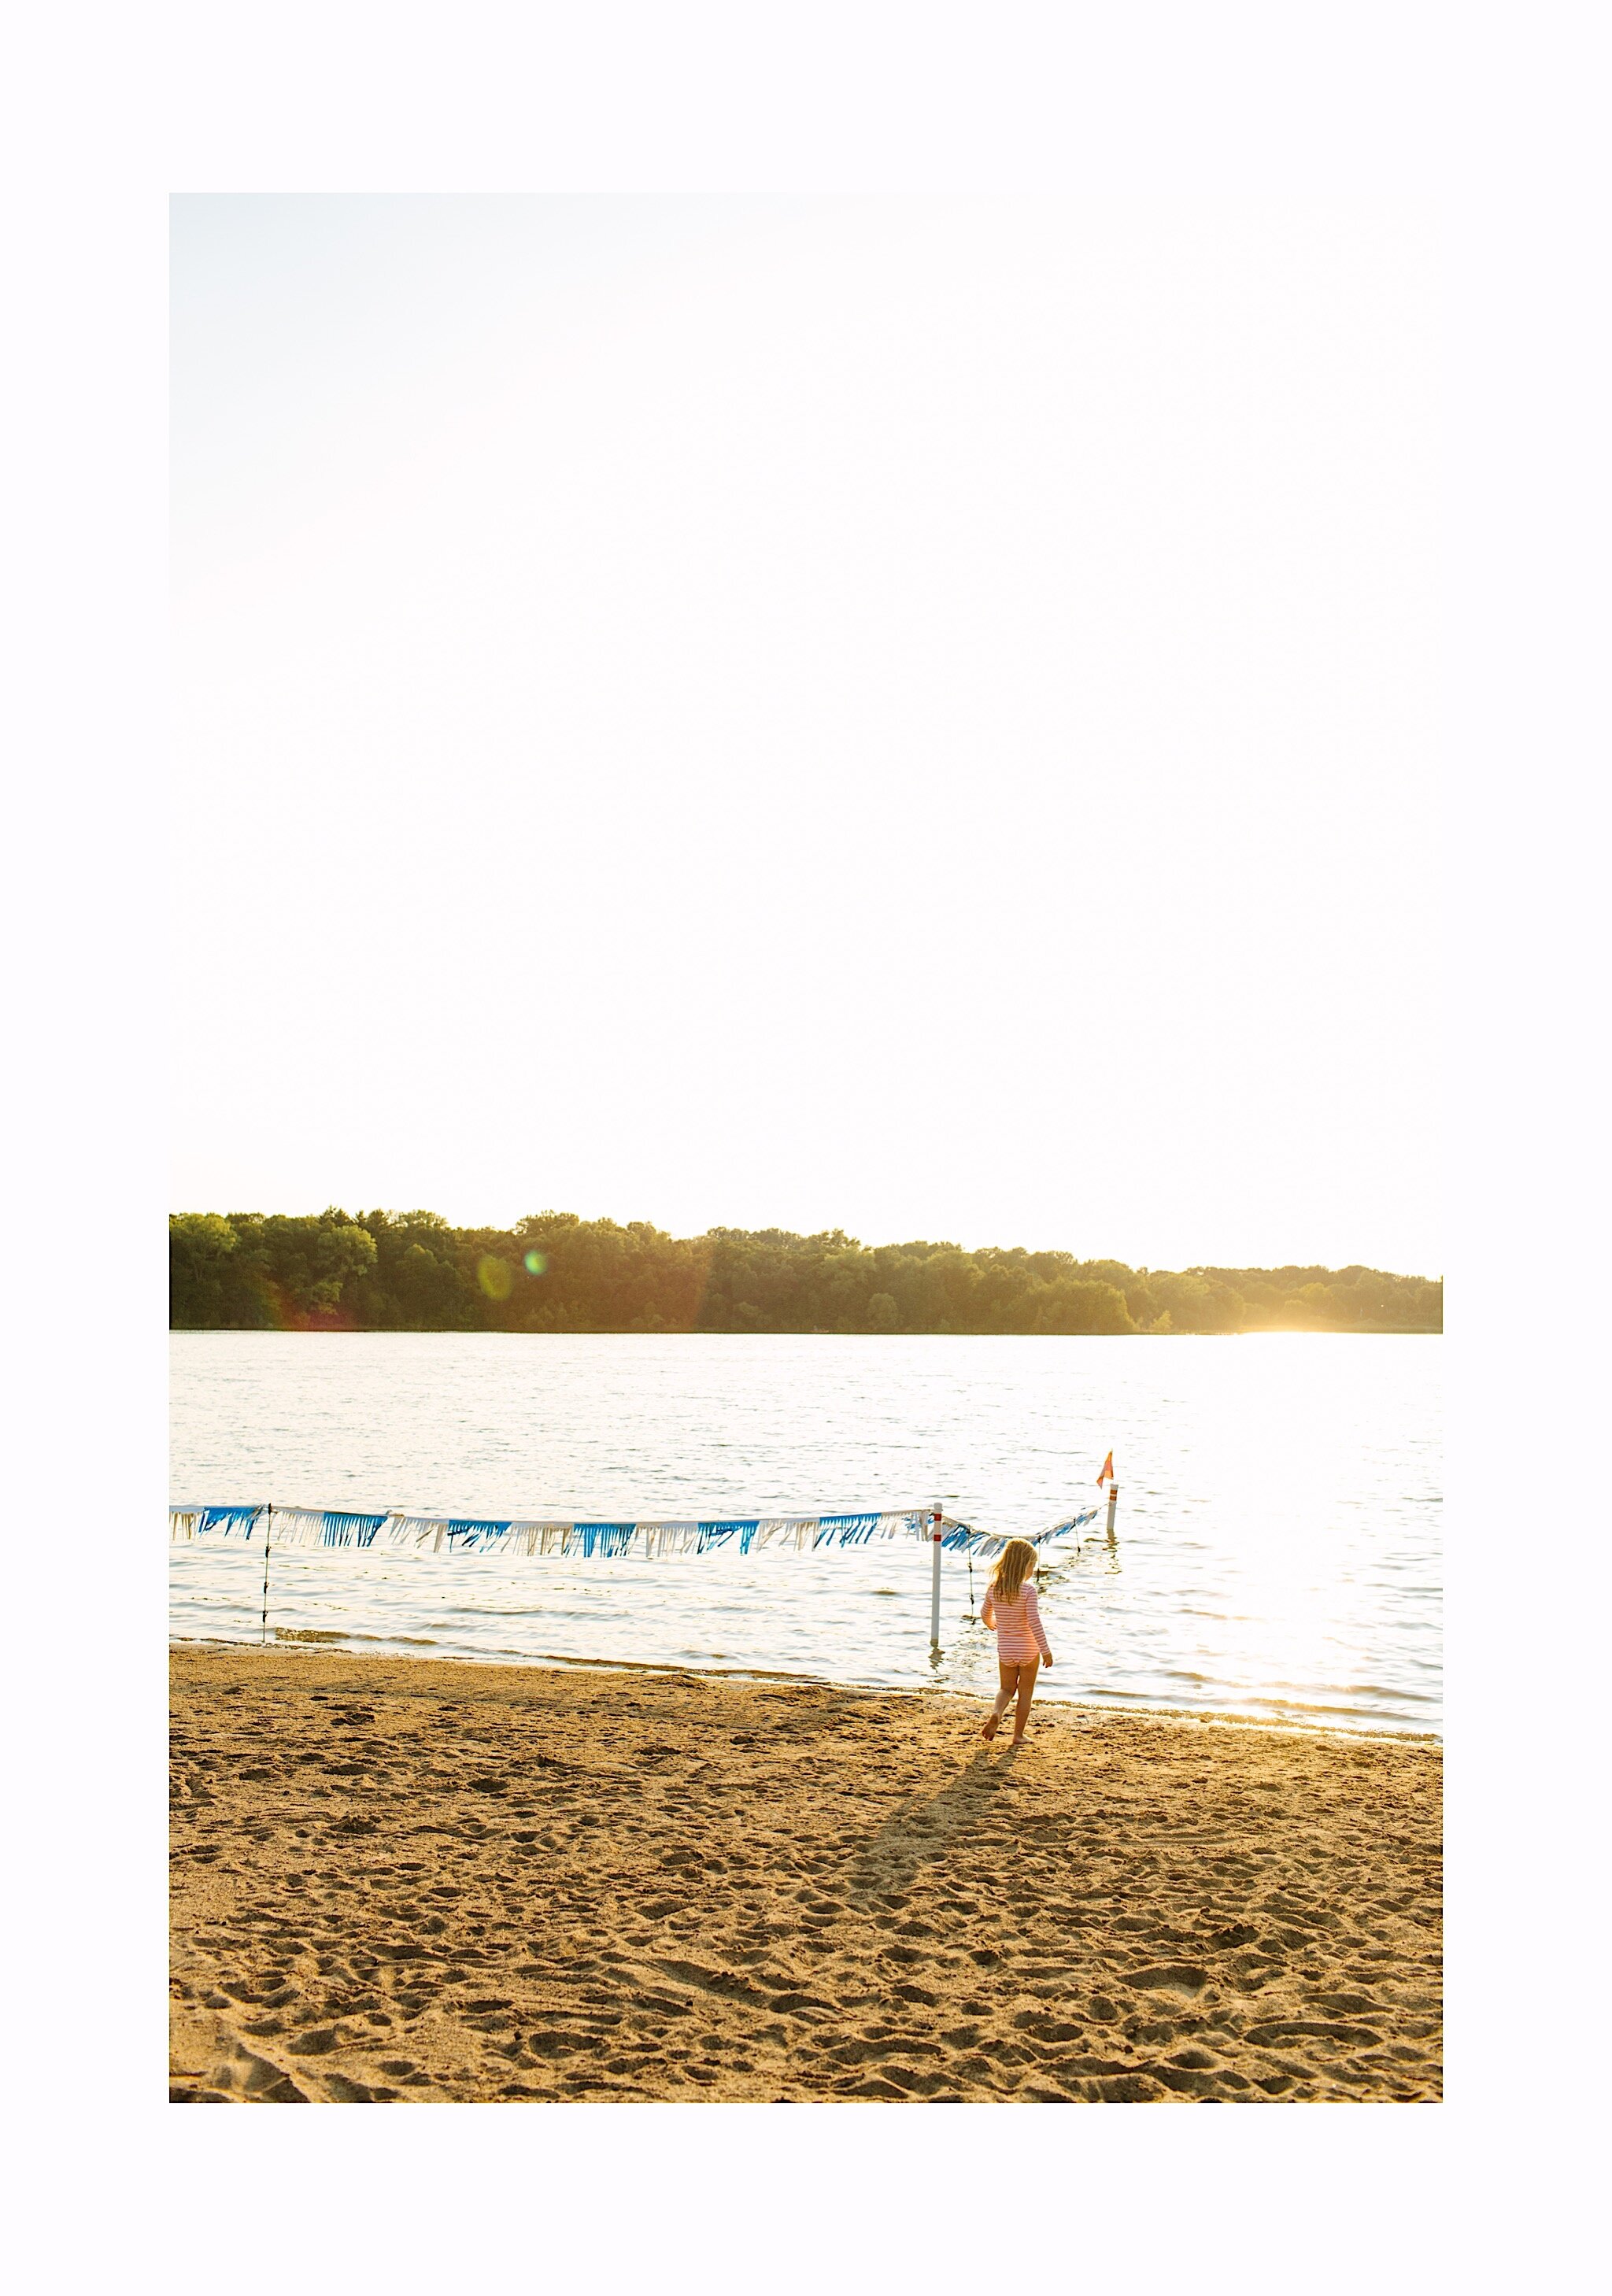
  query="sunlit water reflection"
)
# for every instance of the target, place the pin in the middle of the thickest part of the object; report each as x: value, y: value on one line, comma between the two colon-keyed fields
x: 1279, y: 1517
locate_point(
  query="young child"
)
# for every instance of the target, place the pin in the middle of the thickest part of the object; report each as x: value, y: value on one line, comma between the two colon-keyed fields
x: 1010, y: 1607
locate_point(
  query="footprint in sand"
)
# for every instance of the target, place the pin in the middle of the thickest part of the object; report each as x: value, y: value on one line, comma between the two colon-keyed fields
x: 1180, y: 1978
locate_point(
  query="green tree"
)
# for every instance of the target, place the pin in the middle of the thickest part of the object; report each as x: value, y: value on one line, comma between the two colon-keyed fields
x: 202, y: 1247
x: 555, y: 1272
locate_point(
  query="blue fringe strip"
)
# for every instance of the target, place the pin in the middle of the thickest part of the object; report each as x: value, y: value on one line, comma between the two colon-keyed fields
x: 485, y: 1534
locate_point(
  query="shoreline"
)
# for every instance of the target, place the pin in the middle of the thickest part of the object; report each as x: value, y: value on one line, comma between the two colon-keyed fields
x: 483, y: 1881
x: 560, y: 1662
x: 625, y: 1331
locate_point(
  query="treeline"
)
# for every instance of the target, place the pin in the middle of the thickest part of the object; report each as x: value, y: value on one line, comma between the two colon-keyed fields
x: 411, y: 1272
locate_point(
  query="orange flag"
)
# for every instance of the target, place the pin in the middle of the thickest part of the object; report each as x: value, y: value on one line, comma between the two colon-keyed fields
x: 1105, y: 1473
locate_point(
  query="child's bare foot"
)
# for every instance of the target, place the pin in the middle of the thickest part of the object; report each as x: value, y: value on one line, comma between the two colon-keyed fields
x: 989, y: 1732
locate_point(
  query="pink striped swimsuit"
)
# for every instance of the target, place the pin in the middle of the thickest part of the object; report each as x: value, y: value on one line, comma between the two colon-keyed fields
x: 1020, y: 1637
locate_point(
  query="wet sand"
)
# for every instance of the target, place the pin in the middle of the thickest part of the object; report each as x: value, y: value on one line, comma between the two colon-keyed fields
x: 398, y: 1880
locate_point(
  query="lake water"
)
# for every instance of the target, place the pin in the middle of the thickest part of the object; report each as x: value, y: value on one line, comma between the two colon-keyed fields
x: 1278, y: 1549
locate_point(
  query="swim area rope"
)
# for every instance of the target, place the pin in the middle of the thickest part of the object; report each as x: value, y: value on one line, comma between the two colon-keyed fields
x: 394, y: 1530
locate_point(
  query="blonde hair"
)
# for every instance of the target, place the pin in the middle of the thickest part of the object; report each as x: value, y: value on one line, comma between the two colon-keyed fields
x: 1019, y: 1560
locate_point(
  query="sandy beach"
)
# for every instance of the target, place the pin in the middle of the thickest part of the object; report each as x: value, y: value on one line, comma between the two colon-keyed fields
x: 401, y: 1879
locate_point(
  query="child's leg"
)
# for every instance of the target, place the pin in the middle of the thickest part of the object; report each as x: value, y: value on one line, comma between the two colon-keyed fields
x: 1027, y: 1691
x: 1008, y: 1676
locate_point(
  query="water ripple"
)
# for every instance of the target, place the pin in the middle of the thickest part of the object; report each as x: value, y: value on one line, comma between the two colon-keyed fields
x: 1279, y: 1554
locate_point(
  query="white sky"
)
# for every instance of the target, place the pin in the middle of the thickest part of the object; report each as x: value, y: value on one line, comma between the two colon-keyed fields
x: 914, y: 716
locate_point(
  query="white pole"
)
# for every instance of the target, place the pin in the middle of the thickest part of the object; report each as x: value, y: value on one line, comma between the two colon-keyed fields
x: 1113, y: 1503
x: 935, y: 1579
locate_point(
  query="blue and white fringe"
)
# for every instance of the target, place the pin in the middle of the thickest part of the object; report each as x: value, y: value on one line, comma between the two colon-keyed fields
x: 393, y: 1530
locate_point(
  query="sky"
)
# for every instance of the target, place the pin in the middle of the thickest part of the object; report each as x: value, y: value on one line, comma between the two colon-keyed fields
x: 918, y: 716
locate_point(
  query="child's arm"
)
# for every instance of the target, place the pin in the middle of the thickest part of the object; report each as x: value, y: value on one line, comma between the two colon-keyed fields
x: 987, y: 1610
x: 1032, y: 1610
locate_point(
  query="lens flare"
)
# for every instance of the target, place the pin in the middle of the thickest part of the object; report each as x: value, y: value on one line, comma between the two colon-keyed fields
x: 536, y: 1264
x: 495, y: 1277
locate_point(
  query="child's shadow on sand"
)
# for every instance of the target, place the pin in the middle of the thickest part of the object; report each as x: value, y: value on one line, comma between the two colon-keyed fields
x: 921, y: 1832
